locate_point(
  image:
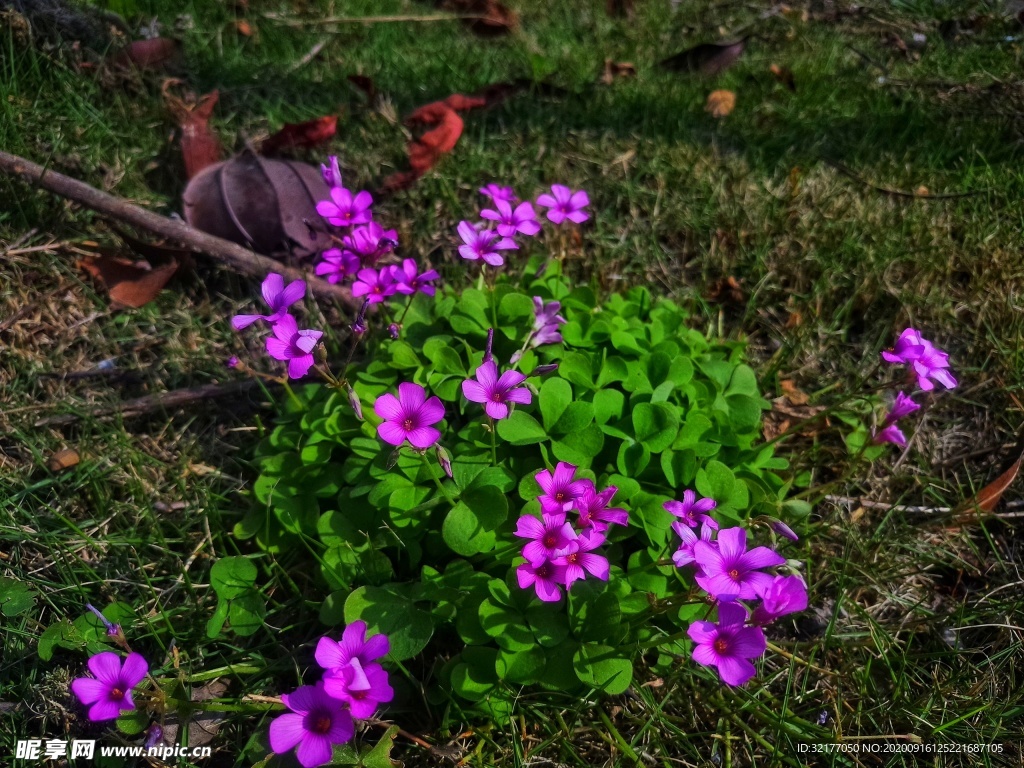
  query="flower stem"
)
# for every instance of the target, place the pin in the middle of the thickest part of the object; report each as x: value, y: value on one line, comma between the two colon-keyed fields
x: 437, y: 481
x: 494, y: 445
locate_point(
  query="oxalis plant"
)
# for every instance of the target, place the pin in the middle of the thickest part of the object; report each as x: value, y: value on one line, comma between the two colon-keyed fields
x: 519, y: 481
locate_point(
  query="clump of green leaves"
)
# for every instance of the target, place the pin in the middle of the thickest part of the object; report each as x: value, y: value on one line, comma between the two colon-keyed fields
x: 639, y: 400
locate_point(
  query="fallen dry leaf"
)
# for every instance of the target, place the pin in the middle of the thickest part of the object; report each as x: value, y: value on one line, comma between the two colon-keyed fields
x: 488, y: 18
x: 784, y: 75
x: 63, y: 459
x: 244, y: 28
x: 129, y: 283
x: 727, y: 290
x: 720, y: 103
x: 708, y: 59
x: 154, y: 53
x: 988, y: 497
x: 307, y: 135
x: 268, y: 205
x: 366, y: 85
x: 922, y: 191
x: 202, y: 726
x: 616, y: 69
x: 200, y: 146
x: 620, y: 8
x: 792, y: 393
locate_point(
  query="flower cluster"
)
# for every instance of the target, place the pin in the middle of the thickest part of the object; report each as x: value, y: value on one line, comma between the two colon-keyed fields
x: 928, y: 364
x: 353, y: 686
x: 730, y: 573
x: 362, y: 242
x: 558, y: 553
x: 512, y: 218
x: 286, y: 341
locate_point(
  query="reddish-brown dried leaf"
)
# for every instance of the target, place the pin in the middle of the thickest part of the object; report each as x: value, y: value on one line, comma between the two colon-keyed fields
x: 708, y: 59
x: 244, y: 28
x: 148, y: 54
x: 63, y: 459
x: 307, y: 135
x: 129, y: 283
x: 988, y: 497
x: 200, y: 147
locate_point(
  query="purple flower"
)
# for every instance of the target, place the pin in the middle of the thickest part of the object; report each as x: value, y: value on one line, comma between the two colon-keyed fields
x: 363, y: 688
x: 336, y: 265
x: 496, y: 392
x: 581, y: 562
x: 927, y: 361
x: 545, y: 578
x: 593, y: 509
x: 483, y: 244
x: 684, y: 555
x: 371, y: 242
x: 278, y: 298
x: 546, y: 314
x: 376, y: 285
x: 522, y: 220
x: 409, y: 416
x: 110, y: 690
x: 728, y: 570
x: 232, y: 362
x: 316, y: 722
x: 889, y: 434
x: 113, y: 630
x: 333, y: 655
x: 904, y: 406
x: 409, y: 280
x: 295, y: 346
x: 497, y: 193
x: 552, y: 538
x: 784, y: 594
x: 564, y: 204
x: 331, y: 173
x: 692, y: 511
x: 546, y: 322
x: 728, y: 645
x: 345, y: 209
x: 561, y: 489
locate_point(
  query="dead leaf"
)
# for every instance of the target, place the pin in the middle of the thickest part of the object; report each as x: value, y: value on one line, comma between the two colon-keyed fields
x: 616, y: 69
x: 783, y: 75
x: 63, y: 459
x: 151, y: 54
x: 307, y: 135
x: 708, y: 59
x: 268, y: 205
x: 795, y: 320
x: 726, y: 290
x: 244, y: 28
x: 129, y: 283
x: 202, y: 726
x: 988, y: 497
x: 720, y: 103
x: 792, y: 393
x: 922, y: 191
x: 200, y: 146
x: 424, y: 152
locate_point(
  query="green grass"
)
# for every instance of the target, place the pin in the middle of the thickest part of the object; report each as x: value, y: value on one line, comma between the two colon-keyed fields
x: 913, y: 626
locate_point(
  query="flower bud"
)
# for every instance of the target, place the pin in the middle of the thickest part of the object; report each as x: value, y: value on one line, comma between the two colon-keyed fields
x: 353, y: 400
x: 359, y: 324
x: 393, y: 330
x: 490, y: 342
x: 445, y: 460
x: 515, y: 358
x: 320, y: 353
x: 784, y: 530
x: 232, y: 362
x: 393, y: 458
x: 154, y: 735
x: 543, y: 370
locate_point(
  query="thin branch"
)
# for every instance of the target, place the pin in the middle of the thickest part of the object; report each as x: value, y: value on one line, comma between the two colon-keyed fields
x: 902, y: 192
x: 369, y: 19
x: 231, y: 254
x: 140, y: 406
